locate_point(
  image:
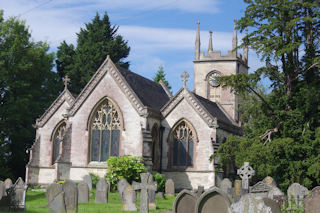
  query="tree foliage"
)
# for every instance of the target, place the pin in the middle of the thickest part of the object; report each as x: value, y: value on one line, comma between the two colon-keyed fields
x: 27, y: 85
x: 160, y: 75
x: 285, y: 34
x: 97, y: 40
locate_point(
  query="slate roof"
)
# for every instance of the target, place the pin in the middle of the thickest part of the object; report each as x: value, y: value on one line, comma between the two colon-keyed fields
x: 149, y: 92
x: 213, y: 109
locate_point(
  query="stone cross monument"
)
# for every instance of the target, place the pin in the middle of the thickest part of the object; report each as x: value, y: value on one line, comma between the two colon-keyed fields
x: 245, y: 172
x: 144, y: 186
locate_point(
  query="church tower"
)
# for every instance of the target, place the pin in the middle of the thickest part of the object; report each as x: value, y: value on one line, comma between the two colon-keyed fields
x: 208, y: 66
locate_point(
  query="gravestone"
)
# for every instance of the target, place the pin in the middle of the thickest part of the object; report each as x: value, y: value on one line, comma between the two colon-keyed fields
x: 129, y: 199
x: 87, y: 179
x: 169, y: 187
x: 312, y: 201
x: 245, y: 172
x: 270, y: 181
x: 151, y: 195
x: 200, y: 190
x: 8, y: 183
x: 57, y: 205
x: 144, y: 186
x: 297, y: 192
x: 250, y: 203
x: 160, y: 194
x: 214, y: 201
x: 2, y: 189
x: 185, y: 202
x: 122, y: 184
x: 70, y: 196
x: 83, y: 192
x: 226, y: 186
x: 260, y: 189
x: 237, y: 190
x: 17, y: 195
x: 102, y: 190
x: 53, y: 190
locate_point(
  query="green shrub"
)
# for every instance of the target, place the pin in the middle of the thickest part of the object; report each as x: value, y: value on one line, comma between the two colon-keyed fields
x: 161, y: 181
x: 94, y: 179
x: 125, y: 166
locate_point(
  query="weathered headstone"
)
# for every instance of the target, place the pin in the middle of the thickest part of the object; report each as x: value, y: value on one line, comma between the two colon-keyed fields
x: 312, y: 201
x: 53, y: 190
x: 237, y: 189
x: 226, y: 186
x: 151, y: 194
x: 2, y: 189
x: 245, y: 172
x: 70, y: 196
x: 122, y: 184
x: 83, y: 192
x: 274, y: 192
x: 160, y: 194
x: 57, y: 205
x: 185, y: 202
x: 200, y: 190
x: 297, y: 192
x: 260, y: 189
x: 102, y: 190
x: 17, y: 195
x: 250, y: 203
x: 270, y: 181
x: 8, y: 183
x: 129, y: 198
x: 144, y: 186
x: 169, y: 187
x: 214, y: 201
x: 87, y: 179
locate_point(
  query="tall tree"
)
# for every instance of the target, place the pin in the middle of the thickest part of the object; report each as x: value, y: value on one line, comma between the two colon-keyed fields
x: 160, y: 75
x: 285, y: 34
x: 27, y: 85
x: 97, y: 40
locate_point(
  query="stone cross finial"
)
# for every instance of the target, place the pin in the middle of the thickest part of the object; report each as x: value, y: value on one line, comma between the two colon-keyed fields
x: 66, y: 81
x: 185, y: 77
x: 144, y: 186
x: 245, y: 172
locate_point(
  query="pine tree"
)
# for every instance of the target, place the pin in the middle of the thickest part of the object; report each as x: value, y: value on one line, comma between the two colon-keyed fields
x: 97, y: 40
x: 160, y: 75
x: 27, y: 85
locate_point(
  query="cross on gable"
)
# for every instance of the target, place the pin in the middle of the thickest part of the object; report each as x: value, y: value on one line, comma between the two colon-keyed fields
x: 66, y: 81
x: 144, y: 186
x: 185, y: 77
x: 245, y: 172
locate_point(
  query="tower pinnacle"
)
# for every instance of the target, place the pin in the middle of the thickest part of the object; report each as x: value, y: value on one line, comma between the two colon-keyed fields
x: 210, y: 48
x: 197, y: 48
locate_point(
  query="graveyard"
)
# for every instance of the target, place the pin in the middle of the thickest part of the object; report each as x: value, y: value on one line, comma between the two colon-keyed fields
x: 228, y: 123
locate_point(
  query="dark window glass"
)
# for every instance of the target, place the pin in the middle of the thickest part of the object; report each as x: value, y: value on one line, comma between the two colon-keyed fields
x: 95, y: 145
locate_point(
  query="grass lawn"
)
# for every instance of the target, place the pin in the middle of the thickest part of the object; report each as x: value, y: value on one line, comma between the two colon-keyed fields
x: 36, y: 200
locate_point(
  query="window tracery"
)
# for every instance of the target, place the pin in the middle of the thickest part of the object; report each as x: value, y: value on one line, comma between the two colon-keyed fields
x: 105, y: 132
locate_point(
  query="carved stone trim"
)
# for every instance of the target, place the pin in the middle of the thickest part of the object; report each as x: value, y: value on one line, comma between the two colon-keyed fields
x: 184, y: 93
x: 64, y: 96
x: 106, y: 66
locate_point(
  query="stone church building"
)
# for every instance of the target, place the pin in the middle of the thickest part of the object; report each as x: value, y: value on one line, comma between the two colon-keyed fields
x: 122, y: 113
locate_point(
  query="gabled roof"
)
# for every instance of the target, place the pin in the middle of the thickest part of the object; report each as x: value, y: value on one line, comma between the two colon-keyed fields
x: 149, y: 92
x: 209, y: 111
x: 65, y: 95
x: 214, y: 109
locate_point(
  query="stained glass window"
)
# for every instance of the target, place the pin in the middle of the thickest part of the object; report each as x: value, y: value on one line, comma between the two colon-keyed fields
x: 57, y: 140
x: 183, y: 139
x: 105, y: 132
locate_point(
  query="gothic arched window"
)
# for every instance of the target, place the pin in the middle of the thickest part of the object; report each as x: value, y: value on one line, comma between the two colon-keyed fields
x: 183, y: 144
x: 57, y: 140
x: 105, y: 132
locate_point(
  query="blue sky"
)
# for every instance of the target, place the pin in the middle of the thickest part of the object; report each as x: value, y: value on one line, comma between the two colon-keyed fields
x: 158, y: 32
